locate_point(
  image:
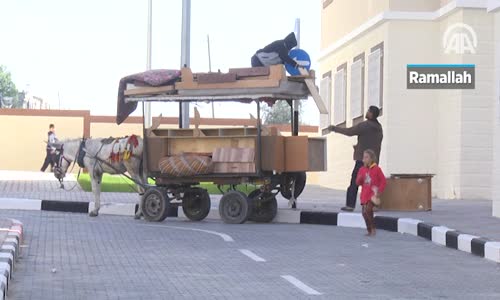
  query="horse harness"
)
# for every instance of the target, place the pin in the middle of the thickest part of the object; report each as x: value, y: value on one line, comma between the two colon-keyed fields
x: 80, y: 155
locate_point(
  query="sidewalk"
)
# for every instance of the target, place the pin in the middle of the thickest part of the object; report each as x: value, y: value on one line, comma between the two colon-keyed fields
x: 468, y: 216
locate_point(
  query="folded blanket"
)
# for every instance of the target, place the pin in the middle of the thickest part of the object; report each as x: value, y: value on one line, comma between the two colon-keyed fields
x: 149, y: 78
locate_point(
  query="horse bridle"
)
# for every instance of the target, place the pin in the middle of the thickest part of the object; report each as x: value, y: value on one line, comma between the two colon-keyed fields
x: 58, y: 163
x: 58, y: 172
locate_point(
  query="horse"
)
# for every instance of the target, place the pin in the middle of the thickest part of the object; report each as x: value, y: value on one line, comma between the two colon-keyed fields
x: 99, y: 156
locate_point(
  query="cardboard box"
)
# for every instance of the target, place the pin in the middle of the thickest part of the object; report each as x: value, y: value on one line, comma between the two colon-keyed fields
x: 157, y: 149
x: 273, y: 153
x: 233, y: 167
x: 408, y: 192
x: 243, y: 155
x: 296, y: 154
x: 317, y: 154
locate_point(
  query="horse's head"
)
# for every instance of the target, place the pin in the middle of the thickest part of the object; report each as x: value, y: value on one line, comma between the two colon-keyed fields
x: 61, y: 162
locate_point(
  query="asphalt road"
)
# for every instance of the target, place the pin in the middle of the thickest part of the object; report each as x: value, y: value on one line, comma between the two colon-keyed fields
x: 72, y: 256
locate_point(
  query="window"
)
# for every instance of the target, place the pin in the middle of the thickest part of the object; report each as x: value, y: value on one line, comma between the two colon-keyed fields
x: 375, y: 76
x: 339, y: 96
x: 326, y: 3
x: 325, y: 90
x: 357, y: 88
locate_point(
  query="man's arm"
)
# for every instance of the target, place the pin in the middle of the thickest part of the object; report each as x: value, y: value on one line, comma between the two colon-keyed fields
x: 283, y: 54
x: 351, y: 131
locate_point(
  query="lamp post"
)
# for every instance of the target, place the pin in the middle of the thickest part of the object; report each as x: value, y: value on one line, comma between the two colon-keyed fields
x: 147, y: 105
x: 296, y: 103
x: 185, y: 57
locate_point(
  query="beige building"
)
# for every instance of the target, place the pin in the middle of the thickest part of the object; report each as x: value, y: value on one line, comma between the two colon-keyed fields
x: 455, y: 134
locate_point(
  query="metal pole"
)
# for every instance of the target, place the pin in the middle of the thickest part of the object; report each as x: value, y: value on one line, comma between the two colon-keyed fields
x: 209, y: 55
x: 185, y: 55
x: 210, y: 70
x: 147, y: 105
x: 296, y: 103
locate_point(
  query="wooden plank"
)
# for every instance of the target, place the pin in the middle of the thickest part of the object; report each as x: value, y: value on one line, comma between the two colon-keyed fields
x: 186, y: 75
x: 314, y: 92
x: 277, y: 72
x: 300, y: 78
x: 150, y: 90
x: 204, y: 144
x: 203, y: 78
x: 250, y: 72
x: 240, y: 84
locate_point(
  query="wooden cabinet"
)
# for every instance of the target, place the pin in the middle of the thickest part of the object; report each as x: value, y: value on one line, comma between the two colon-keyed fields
x: 408, y: 192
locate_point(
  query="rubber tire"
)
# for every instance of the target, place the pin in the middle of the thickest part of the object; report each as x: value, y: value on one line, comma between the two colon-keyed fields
x: 300, y: 184
x: 263, y: 211
x: 236, y: 198
x: 200, y: 198
x: 164, y: 205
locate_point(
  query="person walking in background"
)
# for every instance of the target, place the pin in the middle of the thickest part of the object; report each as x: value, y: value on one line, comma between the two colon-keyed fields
x: 49, y: 157
x: 370, y: 136
x: 372, y: 181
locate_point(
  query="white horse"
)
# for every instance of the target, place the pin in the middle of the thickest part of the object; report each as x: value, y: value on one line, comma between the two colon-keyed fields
x: 99, y: 156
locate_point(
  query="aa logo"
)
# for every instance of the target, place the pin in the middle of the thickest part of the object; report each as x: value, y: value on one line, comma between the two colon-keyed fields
x: 459, y: 38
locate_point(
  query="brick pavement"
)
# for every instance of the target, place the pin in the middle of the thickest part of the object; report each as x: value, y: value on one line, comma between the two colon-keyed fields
x: 120, y: 258
x: 470, y: 216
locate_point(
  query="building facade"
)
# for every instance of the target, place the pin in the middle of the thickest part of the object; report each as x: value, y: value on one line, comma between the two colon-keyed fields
x: 454, y: 134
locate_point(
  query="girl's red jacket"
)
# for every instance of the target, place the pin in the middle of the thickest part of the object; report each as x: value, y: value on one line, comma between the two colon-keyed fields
x: 370, y: 178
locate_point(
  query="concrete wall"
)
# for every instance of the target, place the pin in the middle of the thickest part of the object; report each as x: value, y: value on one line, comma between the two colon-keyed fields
x: 421, y: 5
x: 477, y: 120
x: 340, y: 149
x: 341, y: 17
x: 23, y: 143
x: 496, y: 115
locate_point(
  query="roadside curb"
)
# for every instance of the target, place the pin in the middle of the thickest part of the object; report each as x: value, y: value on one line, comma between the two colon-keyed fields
x: 120, y: 209
x: 9, y: 253
x: 438, y: 234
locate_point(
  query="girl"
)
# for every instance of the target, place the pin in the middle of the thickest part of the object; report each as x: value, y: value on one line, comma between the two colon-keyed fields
x: 372, y: 181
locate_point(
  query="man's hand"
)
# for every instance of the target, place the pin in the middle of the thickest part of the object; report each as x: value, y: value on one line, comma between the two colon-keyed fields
x: 327, y: 130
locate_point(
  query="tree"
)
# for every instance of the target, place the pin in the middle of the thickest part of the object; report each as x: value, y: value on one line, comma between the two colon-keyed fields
x: 279, y: 113
x: 8, y: 88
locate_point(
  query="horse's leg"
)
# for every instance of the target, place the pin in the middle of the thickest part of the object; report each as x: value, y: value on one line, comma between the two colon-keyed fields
x: 133, y: 170
x: 138, y: 213
x: 96, y: 180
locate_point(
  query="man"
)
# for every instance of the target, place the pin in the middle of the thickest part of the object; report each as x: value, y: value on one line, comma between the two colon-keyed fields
x: 49, y: 157
x: 276, y: 53
x: 370, y: 136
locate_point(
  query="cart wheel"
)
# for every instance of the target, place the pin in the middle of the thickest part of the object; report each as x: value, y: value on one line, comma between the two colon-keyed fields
x: 286, y: 184
x: 234, y: 207
x: 265, y: 207
x: 196, y: 204
x: 154, y: 205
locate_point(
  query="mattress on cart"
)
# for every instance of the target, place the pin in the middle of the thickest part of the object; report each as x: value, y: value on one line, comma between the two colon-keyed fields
x: 240, y: 84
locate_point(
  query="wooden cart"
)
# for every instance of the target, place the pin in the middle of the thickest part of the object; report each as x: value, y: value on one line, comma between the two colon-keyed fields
x: 278, y: 164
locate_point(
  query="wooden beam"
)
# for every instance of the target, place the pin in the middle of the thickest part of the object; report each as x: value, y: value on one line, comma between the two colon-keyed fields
x: 314, y: 91
x: 150, y: 90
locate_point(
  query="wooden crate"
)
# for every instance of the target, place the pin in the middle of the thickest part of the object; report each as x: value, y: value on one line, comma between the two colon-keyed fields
x: 408, y: 192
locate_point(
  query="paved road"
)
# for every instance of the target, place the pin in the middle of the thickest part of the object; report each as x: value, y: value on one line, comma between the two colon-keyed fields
x: 119, y: 258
